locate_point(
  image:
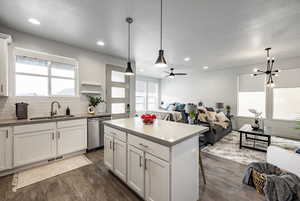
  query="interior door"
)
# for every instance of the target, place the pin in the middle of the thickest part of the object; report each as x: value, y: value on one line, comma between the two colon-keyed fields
x: 135, y: 170
x: 157, y: 183
x: 117, y: 92
x: 120, y: 169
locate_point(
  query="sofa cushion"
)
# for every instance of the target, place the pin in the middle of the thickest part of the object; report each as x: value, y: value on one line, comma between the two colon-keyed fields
x: 221, y: 117
x: 211, y: 116
x: 202, y: 117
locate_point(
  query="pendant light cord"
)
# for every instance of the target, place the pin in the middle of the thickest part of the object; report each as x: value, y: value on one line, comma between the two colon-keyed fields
x: 128, y: 42
x: 161, y: 22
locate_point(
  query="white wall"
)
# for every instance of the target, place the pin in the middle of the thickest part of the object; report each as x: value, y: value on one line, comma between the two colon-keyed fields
x: 221, y: 86
x: 91, y: 69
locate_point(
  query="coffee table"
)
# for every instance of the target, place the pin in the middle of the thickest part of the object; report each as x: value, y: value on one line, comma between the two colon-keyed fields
x: 251, y: 134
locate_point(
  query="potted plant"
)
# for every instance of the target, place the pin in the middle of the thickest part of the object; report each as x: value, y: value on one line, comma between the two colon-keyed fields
x: 94, y: 101
x: 228, y: 110
x: 192, y: 117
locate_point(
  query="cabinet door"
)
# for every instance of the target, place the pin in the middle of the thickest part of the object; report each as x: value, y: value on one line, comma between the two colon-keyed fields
x: 120, y: 168
x: 108, y: 151
x: 33, y: 147
x: 70, y: 140
x: 135, y: 170
x: 157, y: 182
x: 5, y: 148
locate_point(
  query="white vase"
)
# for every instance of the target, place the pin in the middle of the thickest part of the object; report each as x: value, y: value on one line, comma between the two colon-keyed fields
x: 101, y: 108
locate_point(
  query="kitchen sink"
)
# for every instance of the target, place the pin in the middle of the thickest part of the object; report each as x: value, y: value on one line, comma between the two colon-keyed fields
x: 52, y: 117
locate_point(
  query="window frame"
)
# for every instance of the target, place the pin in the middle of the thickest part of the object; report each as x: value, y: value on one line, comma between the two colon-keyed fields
x: 147, y: 80
x: 50, y: 57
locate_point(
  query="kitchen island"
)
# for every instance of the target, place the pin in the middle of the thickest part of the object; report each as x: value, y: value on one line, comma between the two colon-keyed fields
x: 160, y: 162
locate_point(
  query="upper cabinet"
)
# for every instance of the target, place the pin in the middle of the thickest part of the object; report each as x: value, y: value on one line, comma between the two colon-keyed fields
x: 4, y: 41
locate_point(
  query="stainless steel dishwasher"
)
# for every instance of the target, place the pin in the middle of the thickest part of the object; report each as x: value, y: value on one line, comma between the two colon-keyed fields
x: 96, y: 132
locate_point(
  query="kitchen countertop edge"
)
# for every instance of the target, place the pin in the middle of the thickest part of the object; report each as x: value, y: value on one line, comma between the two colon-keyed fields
x: 15, y: 122
x: 154, y: 139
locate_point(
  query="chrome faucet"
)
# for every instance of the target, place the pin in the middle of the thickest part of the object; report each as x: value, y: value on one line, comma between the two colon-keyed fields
x: 52, y: 113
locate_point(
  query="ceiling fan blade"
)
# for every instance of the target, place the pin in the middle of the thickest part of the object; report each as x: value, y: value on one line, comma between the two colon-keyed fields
x: 180, y: 73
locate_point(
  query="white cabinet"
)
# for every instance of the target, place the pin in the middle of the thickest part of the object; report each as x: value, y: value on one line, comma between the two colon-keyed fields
x: 3, y: 67
x: 115, y: 152
x: 135, y: 170
x: 70, y: 140
x: 38, y: 142
x: 108, y: 151
x: 157, y: 183
x: 120, y: 169
x: 33, y: 147
x: 5, y: 148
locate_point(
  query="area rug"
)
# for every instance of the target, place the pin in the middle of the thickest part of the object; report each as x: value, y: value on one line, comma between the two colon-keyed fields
x: 228, y: 148
x: 35, y: 175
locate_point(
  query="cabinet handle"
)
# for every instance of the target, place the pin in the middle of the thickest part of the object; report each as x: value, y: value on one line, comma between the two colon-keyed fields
x: 7, y: 134
x: 140, y: 161
x: 1, y: 88
x: 109, y: 144
x: 52, y: 135
x: 145, y: 146
x: 145, y: 164
x: 113, y: 146
x: 58, y: 134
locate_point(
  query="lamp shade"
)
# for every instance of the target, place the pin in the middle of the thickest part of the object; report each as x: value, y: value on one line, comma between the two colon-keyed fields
x: 161, y: 61
x: 129, y: 70
x: 220, y: 105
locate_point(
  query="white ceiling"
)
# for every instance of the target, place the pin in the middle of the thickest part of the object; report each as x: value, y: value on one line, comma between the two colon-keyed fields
x: 214, y: 33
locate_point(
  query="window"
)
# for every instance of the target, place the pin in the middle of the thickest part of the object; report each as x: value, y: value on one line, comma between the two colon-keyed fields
x: 286, y: 95
x: 286, y: 103
x: 36, y: 76
x: 251, y: 95
x: 146, y: 95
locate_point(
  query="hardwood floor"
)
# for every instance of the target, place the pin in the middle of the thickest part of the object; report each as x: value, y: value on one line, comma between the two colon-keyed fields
x: 95, y: 183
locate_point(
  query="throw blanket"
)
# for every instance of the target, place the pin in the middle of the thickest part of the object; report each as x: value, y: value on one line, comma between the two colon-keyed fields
x: 166, y: 115
x: 279, y: 186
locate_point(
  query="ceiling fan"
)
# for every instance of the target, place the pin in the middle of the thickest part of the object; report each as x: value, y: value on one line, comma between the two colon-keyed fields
x: 171, y: 73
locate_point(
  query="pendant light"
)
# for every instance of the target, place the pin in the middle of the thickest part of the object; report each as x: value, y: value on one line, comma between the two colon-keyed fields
x: 161, y: 61
x: 129, y: 70
x: 269, y: 72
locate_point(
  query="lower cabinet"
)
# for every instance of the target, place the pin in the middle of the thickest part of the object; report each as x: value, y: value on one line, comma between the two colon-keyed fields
x: 115, y: 151
x: 33, y: 147
x: 108, y: 151
x: 39, y: 142
x: 157, y: 182
x: 135, y: 170
x: 120, y: 159
x: 5, y: 148
x: 70, y: 140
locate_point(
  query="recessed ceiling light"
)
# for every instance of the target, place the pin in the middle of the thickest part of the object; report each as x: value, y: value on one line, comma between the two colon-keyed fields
x: 205, y: 67
x: 100, y: 43
x: 187, y: 59
x: 34, y: 21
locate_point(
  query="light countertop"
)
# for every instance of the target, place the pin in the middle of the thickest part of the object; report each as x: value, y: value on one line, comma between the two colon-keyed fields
x: 15, y: 122
x: 163, y: 132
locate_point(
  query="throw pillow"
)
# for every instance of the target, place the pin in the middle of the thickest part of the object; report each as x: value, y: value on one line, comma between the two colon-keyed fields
x: 298, y: 151
x: 210, y: 109
x: 202, y: 109
x: 171, y: 108
x: 202, y: 117
x: 221, y: 117
x: 211, y: 116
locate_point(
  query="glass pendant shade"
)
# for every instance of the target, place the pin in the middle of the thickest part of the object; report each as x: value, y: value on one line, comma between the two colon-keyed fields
x: 129, y: 70
x: 161, y: 61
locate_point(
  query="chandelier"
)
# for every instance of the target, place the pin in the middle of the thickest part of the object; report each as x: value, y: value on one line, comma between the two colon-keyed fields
x: 270, y: 73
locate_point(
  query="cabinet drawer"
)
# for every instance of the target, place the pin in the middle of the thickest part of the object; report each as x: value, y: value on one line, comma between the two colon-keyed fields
x: 33, y: 128
x: 121, y: 135
x: 157, y: 150
x: 71, y: 123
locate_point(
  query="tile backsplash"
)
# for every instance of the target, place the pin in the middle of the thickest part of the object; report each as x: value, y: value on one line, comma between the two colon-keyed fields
x: 41, y: 106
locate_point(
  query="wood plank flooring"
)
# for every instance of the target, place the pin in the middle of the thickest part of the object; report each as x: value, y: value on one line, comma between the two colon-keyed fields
x: 95, y: 183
